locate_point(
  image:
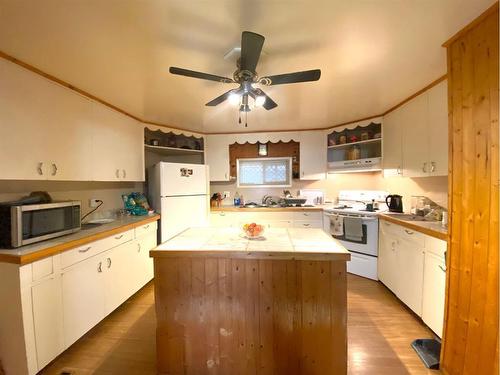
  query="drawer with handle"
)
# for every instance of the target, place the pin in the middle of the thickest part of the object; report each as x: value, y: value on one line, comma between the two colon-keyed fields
x: 145, y: 229
x: 308, y: 224
x: 88, y: 250
x: 308, y: 215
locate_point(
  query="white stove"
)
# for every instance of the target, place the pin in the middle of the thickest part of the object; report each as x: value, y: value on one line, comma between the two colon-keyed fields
x: 357, y: 228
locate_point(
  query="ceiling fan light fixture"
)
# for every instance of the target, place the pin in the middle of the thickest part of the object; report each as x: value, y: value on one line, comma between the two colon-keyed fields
x: 260, y: 100
x: 234, y: 98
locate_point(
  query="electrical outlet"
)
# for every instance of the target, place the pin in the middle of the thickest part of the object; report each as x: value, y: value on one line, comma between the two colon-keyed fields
x: 94, y: 202
x: 227, y: 194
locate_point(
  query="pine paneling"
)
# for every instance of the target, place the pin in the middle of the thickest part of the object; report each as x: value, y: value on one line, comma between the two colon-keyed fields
x: 471, y: 319
x: 246, y: 316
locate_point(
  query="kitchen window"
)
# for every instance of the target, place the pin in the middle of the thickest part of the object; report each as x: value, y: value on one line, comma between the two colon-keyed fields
x: 264, y: 172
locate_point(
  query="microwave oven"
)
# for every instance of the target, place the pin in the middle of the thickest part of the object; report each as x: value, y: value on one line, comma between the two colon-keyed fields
x: 24, y: 224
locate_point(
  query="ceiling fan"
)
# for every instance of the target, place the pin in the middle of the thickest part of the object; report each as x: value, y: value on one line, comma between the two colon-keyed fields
x: 246, y: 76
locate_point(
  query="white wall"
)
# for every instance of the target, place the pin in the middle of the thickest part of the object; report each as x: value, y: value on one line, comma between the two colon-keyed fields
x: 436, y: 188
x: 109, y: 192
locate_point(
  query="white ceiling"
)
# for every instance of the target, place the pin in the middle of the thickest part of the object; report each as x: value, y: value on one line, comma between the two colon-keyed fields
x: 372, y: 53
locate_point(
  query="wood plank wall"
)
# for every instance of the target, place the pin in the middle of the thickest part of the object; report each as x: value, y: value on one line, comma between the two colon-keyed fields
x: 244, y: 316
x: 470, y: 343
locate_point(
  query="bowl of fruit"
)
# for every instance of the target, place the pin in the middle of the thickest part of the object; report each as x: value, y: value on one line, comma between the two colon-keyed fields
x: 253, y: 231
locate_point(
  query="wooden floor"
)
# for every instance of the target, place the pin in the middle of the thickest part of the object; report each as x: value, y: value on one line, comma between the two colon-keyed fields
x: 380, y: 331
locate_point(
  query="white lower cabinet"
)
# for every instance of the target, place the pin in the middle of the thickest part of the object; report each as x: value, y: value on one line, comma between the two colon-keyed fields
x: 48, y: 319
x: 412, y: 265
x: 83, y: 298
x: 59, y: 298
x: 283, y: 219
x: 410, y: 276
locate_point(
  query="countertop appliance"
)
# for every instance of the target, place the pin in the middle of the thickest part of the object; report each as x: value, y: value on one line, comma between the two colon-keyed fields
x: 24, y: 224
x: 180, y: 194
x: 351, y: 212
x: 395, y: 203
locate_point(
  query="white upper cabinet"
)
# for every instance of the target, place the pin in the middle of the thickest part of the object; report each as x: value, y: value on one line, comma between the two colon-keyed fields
x: 438, y: 129
x: 51, y: 132
x: 217, y: 157
x: 312, y: 155
x: 117, y: 146
x: 416, y: 136
x: 46, y: 128
x: 415, y: 143
x: 391, y: 145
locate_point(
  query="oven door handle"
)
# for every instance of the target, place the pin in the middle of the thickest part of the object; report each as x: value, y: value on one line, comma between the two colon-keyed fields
x: 361, y: 217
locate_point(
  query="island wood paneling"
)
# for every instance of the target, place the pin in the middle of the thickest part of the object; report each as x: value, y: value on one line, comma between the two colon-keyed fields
x: 471, y: 318
x: 235, y: 316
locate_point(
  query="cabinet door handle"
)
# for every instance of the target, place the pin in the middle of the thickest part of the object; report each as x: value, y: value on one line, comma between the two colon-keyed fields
x: 118, y: 237
x: 442, y: 268
x: 408, y: 231
x: 54, y: 169
x: 85, y: 250
x: 117, y: 173
x: 225, y: 176
x: 398, y: 170
x: 109, y: 262
x: 146, y: 226
x: 39, y: 168
x: 138, y: 247
x: 433, y: 166
x: 424, y: 167
x: 99, y: 267
x: 306, y: 224
x: 124, y: 173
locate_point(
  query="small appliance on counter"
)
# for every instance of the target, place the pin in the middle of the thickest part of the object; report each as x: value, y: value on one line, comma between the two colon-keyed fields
x: 395, y: 203
x: 24, y: 222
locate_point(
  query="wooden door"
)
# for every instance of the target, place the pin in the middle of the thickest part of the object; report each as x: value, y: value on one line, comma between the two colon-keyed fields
x: 312, y: 155
x: 83, y: 298
x: 438, y: 129
x: 470, y: 339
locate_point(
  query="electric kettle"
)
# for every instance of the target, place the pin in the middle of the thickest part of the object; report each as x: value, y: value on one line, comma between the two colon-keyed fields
x: 395, y: 203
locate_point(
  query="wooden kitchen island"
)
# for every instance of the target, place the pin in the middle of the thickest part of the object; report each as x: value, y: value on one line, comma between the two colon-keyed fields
x: 229, y: 305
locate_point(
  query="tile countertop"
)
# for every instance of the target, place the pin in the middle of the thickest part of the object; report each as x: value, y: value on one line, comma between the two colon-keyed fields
x: 278, y: 243
x: 431, y: 228
x: 30, y: 253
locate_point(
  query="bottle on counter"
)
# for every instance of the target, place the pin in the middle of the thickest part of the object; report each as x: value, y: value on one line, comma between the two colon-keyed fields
x: 237, y: 200
x: 242, y: 201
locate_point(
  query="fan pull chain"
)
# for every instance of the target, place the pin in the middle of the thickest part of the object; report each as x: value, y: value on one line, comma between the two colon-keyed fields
x: 246, y: 116
x: 239, y: 117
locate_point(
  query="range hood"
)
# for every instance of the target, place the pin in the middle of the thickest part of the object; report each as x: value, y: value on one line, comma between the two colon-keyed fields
x: 352, y: 166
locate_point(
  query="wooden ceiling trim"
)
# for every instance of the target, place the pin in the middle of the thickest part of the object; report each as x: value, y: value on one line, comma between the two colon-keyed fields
x: 61, y: 82
x: 65, y: 84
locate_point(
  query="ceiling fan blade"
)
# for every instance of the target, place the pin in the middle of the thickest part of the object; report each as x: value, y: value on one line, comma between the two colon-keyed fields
x: 282, y: 79
x: 200, y: 75
x: 269, y: 103
x: 219, y: 99
x: 251, y: 47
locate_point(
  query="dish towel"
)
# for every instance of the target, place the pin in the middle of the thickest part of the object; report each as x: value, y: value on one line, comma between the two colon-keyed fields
x: 337, y: 225
x: 353, y: 228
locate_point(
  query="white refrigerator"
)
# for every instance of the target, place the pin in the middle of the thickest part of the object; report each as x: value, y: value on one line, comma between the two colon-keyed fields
x: 179, y: 193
